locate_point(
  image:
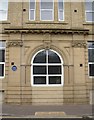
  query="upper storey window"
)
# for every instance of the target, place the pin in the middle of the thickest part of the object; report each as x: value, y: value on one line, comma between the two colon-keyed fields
x: 3, y: 10
x: 46, y: 10
x: 89, y: 6
x: 32, y: 10
x: 60, y: 10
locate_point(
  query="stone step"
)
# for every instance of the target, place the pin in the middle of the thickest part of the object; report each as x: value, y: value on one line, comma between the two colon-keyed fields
x: 53, y: 114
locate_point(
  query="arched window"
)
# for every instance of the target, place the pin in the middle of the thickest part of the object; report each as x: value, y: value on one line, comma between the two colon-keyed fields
x: 47, y: 68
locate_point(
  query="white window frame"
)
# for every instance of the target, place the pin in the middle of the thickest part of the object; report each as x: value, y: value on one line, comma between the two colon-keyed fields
x: 32, y: 10
x: 47, y: 76
x: 47, y: 10
x: 2, y: 63
x: 59, y: 11
x: 88, y: 11
x: 4, y: 10
x: 89, y: 62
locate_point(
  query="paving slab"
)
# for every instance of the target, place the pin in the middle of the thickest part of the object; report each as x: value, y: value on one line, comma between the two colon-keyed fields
x: 23, y: 111
x: 31, y: 109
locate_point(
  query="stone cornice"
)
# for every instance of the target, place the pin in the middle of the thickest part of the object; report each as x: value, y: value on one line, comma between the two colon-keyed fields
x: 46, y: 30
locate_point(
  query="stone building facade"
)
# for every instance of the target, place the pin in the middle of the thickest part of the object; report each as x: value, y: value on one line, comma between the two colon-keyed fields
x: 47, y: 52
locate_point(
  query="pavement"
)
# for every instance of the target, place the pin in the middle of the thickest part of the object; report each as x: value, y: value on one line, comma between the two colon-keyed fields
x: 30, y: 110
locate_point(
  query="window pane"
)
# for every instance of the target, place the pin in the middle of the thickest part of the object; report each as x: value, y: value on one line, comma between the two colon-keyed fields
x: 3, y: 4
x: 39, y: 70
x: 32, y: 0
x: 1, y: 70
x: 91, y: 45
x: 91, y: 55
x: 32, y: 5
x: 3, y: 15
x: 91, y: 69
x: 54, y: 69
x: 88, y: 6
x: 60, y: 4
x: 2, y: 55
x: 32, y: 15
x: 46, y: 15
x: 60, y: 9
x: 93, y: 5
x: 46, y: 5
x: 40, y: 57
x: 2, y: 44
x: 89, y: 16
x: 60, y: 15
x: 53, y: 57
x: 54, y: 80
x: 39, y: 80
x: 46, y: 0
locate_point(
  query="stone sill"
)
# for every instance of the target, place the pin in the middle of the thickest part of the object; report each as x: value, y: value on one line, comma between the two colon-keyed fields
x: 88, y: 23
x: 46, y: 22
x: 5, y: 22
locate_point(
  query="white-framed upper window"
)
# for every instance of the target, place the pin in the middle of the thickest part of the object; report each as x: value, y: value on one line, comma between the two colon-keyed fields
x: 91, y: 58
x: 89, y: 10
x: 32, y: 9
x: 60, y: 10
x: 2, y: 59
x: 47, y: 69
x: 3, y: 10
x: 47, y: 10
